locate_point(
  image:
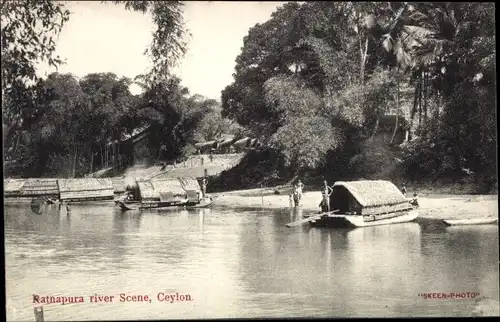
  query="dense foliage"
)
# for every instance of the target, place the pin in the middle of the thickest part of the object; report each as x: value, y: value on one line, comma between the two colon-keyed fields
x: 77, y: 118
x: 314, y: 83
x: 316, y: 78
x: 55, y: 126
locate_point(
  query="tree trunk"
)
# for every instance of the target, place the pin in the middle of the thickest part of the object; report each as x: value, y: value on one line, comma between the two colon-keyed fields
x: 102, y: 156
x: 426, y: 97
x: 16, y: 145
x: 91, y: 160
x: 397, y: 111
x: 363, y: 61
x: 361, y: 72
x: 420, y: 101
x: 73, y: 172
x: 438, y: 104
x: 376, y: 126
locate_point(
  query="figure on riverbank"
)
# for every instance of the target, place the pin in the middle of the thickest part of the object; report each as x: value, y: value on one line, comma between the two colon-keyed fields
x: 325, y: 197
x: 296, y: 198
x: 204, y: 183
x: 414, y: 201
x: 403, y: 189
x: 299, y: 189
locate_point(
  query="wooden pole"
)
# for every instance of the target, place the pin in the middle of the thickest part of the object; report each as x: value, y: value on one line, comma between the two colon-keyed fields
x: 91, y: 160
x: 262, y: 194
x: 38, y: 314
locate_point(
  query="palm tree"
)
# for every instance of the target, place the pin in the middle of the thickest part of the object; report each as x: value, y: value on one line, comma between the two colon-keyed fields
x: 417, y: 36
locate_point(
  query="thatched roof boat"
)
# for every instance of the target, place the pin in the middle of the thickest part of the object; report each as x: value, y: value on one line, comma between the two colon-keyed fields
x: 367, y: 197
x: 169, y: 192
x: 364, y: 203
x: 43, y: 187
x: 12, y: 187
x: 161, y: 190
x: 85, y: 189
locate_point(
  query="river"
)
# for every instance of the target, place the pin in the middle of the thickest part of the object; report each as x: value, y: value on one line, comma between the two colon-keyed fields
x: 237, y: 263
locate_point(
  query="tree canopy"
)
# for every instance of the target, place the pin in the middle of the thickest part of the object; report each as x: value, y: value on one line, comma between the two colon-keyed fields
x: 340, y: 67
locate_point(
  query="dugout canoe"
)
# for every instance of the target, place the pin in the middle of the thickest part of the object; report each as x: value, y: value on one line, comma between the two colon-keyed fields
x: 470, y: 221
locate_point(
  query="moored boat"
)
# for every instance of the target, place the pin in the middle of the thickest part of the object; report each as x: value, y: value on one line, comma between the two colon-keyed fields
x: 470, y: 221
x: 204, y: 203
x: 171, y: 193
x: 365, y: 203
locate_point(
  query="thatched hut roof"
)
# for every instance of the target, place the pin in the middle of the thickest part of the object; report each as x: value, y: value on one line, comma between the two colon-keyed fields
x: 86, y: 189
x: 190, y: 184
x: 168, y: 185
x: 153, y: 189
x: 40, y: 187
x: 119, y: 184
x: 207, y: 145
x: 12, y: 187
x: 147, y: 190
x: 242, y: 143
x: 372, y: 193
x: 246, y: 143
x: 226, y: 142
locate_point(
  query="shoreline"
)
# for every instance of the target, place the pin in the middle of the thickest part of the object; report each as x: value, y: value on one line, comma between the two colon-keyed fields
x: 432, y: 206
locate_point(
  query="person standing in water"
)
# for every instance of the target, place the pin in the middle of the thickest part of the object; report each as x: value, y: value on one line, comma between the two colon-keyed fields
x: 204, y: 186
x: 325, y: 194
x: 296, y: 199
x: 299, y: 188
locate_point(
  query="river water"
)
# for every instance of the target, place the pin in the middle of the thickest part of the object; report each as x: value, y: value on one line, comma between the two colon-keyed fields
x: 236, y: 263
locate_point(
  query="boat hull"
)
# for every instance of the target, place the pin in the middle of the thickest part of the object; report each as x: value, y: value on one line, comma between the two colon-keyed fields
x: 352, y: 221
x: 464, y: 222
x: 202, y: 204
x: 125, y: 206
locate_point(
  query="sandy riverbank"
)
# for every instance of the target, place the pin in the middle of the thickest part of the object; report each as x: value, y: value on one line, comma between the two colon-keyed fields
x: 431, y: 206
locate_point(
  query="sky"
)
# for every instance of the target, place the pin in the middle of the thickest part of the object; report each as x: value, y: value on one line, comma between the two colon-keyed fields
x: 107, y: 38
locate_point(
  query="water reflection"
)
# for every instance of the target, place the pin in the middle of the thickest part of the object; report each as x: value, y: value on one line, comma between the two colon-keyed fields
x: 240, y: 264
